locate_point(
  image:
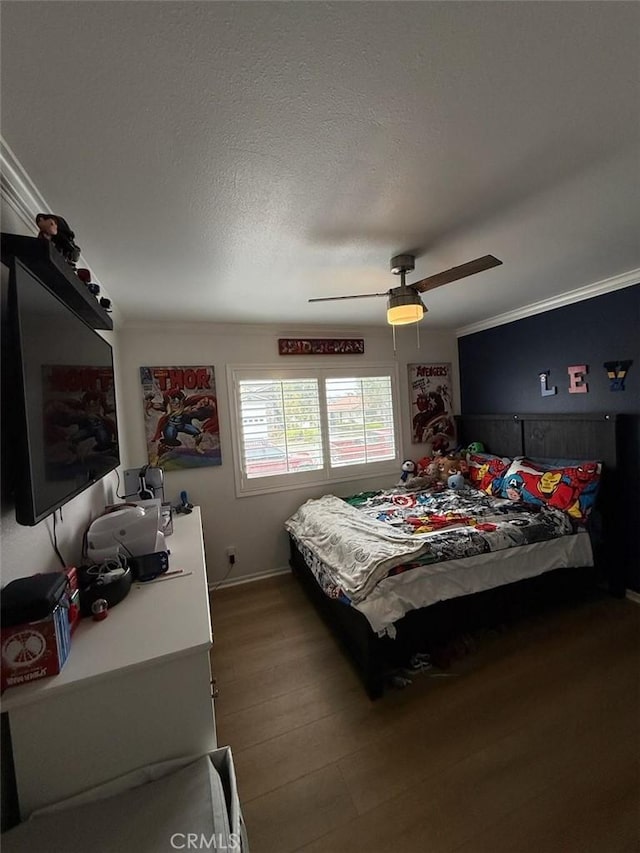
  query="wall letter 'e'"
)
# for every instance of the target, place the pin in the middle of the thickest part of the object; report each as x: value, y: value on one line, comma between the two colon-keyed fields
x: 577, y: 382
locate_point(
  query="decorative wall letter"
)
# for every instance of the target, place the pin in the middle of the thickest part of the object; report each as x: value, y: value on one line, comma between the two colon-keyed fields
x: 616, y: 371
x: 577, y: 382
x: 546, y: 392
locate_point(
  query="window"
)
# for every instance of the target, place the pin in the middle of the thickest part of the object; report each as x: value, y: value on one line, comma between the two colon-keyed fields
x: 360, y: 420
x: 301, y: 426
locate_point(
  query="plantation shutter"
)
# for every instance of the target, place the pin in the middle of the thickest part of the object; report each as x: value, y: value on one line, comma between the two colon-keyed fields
x: 280, y: 426
x: 360, y: 420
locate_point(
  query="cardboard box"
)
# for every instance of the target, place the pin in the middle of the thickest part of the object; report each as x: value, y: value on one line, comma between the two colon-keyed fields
x: 34, y: 650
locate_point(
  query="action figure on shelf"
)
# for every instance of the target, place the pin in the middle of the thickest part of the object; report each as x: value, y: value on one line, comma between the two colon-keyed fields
x: 56, y: 230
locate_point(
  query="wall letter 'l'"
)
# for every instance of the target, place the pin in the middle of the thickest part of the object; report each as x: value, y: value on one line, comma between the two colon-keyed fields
x: 546, y: 392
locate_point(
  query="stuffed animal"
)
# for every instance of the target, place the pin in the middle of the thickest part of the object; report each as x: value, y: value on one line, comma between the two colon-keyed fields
x: 448, y: 465
x: 408, y: 471
x: 423, y: 464
x: 456, y: 481
x: 475, y: 447
x: 427, y: 475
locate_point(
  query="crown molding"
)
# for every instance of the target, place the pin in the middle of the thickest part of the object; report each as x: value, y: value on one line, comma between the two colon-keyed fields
x: 18, y: 190
x: 19, y: 193
x: 208, y: 327
x: 598, y: 288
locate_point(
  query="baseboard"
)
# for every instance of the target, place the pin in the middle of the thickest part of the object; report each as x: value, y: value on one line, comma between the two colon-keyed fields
x: 633, y: 596
x: 258, y: 576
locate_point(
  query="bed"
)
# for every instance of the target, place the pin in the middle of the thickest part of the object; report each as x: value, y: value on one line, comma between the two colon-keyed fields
x: 417, y: 592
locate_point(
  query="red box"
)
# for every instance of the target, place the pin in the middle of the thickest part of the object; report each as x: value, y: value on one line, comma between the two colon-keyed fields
x: 34, y: 650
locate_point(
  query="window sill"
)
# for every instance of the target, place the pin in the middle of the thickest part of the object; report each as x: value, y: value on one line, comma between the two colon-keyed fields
x: 264, y: 488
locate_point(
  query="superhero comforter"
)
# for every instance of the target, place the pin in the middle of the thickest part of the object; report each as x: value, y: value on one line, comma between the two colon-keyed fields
x: 352, y: 544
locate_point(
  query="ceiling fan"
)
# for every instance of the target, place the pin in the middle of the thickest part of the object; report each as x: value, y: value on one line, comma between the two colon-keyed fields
x: 405, y: 305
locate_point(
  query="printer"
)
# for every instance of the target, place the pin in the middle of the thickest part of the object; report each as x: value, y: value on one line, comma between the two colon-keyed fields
x: 134, y: 533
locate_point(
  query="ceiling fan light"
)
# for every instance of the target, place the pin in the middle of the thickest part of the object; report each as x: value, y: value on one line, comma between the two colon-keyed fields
x: 404, y: 308
x: 402, y: 315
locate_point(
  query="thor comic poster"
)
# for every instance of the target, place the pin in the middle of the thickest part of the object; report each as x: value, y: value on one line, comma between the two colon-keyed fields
x: 181, y: 416
x: 431, y: 396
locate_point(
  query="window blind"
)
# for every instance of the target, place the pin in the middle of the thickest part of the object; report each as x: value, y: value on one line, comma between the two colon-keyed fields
x: 280, y: 426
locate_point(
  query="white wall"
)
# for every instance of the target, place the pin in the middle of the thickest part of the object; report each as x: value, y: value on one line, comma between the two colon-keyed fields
x: 26, y: 550
x: 253, y: 524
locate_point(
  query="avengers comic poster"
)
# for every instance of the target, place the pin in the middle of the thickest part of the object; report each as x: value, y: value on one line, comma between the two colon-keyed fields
x: 181, y: 416
x: 79, y: 420
x: 431, y: 395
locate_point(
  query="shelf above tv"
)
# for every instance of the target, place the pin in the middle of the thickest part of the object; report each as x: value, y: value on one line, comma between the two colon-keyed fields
x: 44, y: 260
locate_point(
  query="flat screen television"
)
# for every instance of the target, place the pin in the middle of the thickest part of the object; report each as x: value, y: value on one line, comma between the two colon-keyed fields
x: 61, y: 423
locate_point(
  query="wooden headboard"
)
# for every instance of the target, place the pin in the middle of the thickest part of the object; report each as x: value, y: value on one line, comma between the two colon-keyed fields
x: 588, y: 436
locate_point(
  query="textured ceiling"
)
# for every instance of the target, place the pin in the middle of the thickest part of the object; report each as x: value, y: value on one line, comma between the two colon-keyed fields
x: 227, y: 161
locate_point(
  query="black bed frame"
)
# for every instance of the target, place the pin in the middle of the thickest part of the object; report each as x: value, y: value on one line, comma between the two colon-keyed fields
x: 590, y: 436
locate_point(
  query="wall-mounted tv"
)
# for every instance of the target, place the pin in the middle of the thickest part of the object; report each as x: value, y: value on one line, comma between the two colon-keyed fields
x: 61, y: 424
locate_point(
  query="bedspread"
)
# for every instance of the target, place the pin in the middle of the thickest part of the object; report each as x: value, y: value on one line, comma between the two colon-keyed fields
x: 354, y: 546
x: 362, y: 539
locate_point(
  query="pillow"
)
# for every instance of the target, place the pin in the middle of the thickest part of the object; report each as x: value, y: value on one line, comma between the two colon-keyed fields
x: 486, y: 471
x: 571, y: 489
x: 551, y: 462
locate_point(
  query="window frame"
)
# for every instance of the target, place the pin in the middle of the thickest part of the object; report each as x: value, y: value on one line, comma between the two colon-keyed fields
x: 325, y: 476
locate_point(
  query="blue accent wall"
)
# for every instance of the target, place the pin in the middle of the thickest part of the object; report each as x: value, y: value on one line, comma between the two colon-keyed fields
x: 499, y: 374
x: 499, y: 367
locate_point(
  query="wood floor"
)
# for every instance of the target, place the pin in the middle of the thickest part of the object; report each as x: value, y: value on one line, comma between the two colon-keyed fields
x: 531, y: 743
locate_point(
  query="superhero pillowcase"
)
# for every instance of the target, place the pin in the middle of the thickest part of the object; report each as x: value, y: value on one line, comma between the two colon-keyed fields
x: 486, y: 471
x: 572, y: 489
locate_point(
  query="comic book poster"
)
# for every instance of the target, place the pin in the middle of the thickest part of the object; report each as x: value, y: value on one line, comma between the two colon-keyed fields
x: 181, y: 416
x: 431, y: 395
x: 79, y: 421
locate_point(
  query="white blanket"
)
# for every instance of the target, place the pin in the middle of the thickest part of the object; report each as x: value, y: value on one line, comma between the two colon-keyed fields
x: 358, y: 550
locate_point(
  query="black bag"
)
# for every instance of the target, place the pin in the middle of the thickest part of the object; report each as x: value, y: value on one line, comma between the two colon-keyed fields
x: 32, y: 598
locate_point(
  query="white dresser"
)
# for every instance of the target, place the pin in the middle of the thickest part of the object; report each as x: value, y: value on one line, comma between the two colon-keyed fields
x: 136, y: 688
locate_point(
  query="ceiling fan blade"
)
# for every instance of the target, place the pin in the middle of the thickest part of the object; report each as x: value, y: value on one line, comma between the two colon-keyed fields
x: 357, y: 296
x: 470, y: 268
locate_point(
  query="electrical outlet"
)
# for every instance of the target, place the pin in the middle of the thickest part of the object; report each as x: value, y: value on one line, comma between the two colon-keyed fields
x: 231, y: 554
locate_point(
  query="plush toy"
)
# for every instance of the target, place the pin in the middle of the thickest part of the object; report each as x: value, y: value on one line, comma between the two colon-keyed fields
x: 427, y: 474
x: 440, y: 444
x: 475, y: 447
x: 449, y: 465
x: 456, y: 481
x: 446, y: 466
x: 408, y: 471
x: 422, y: 465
